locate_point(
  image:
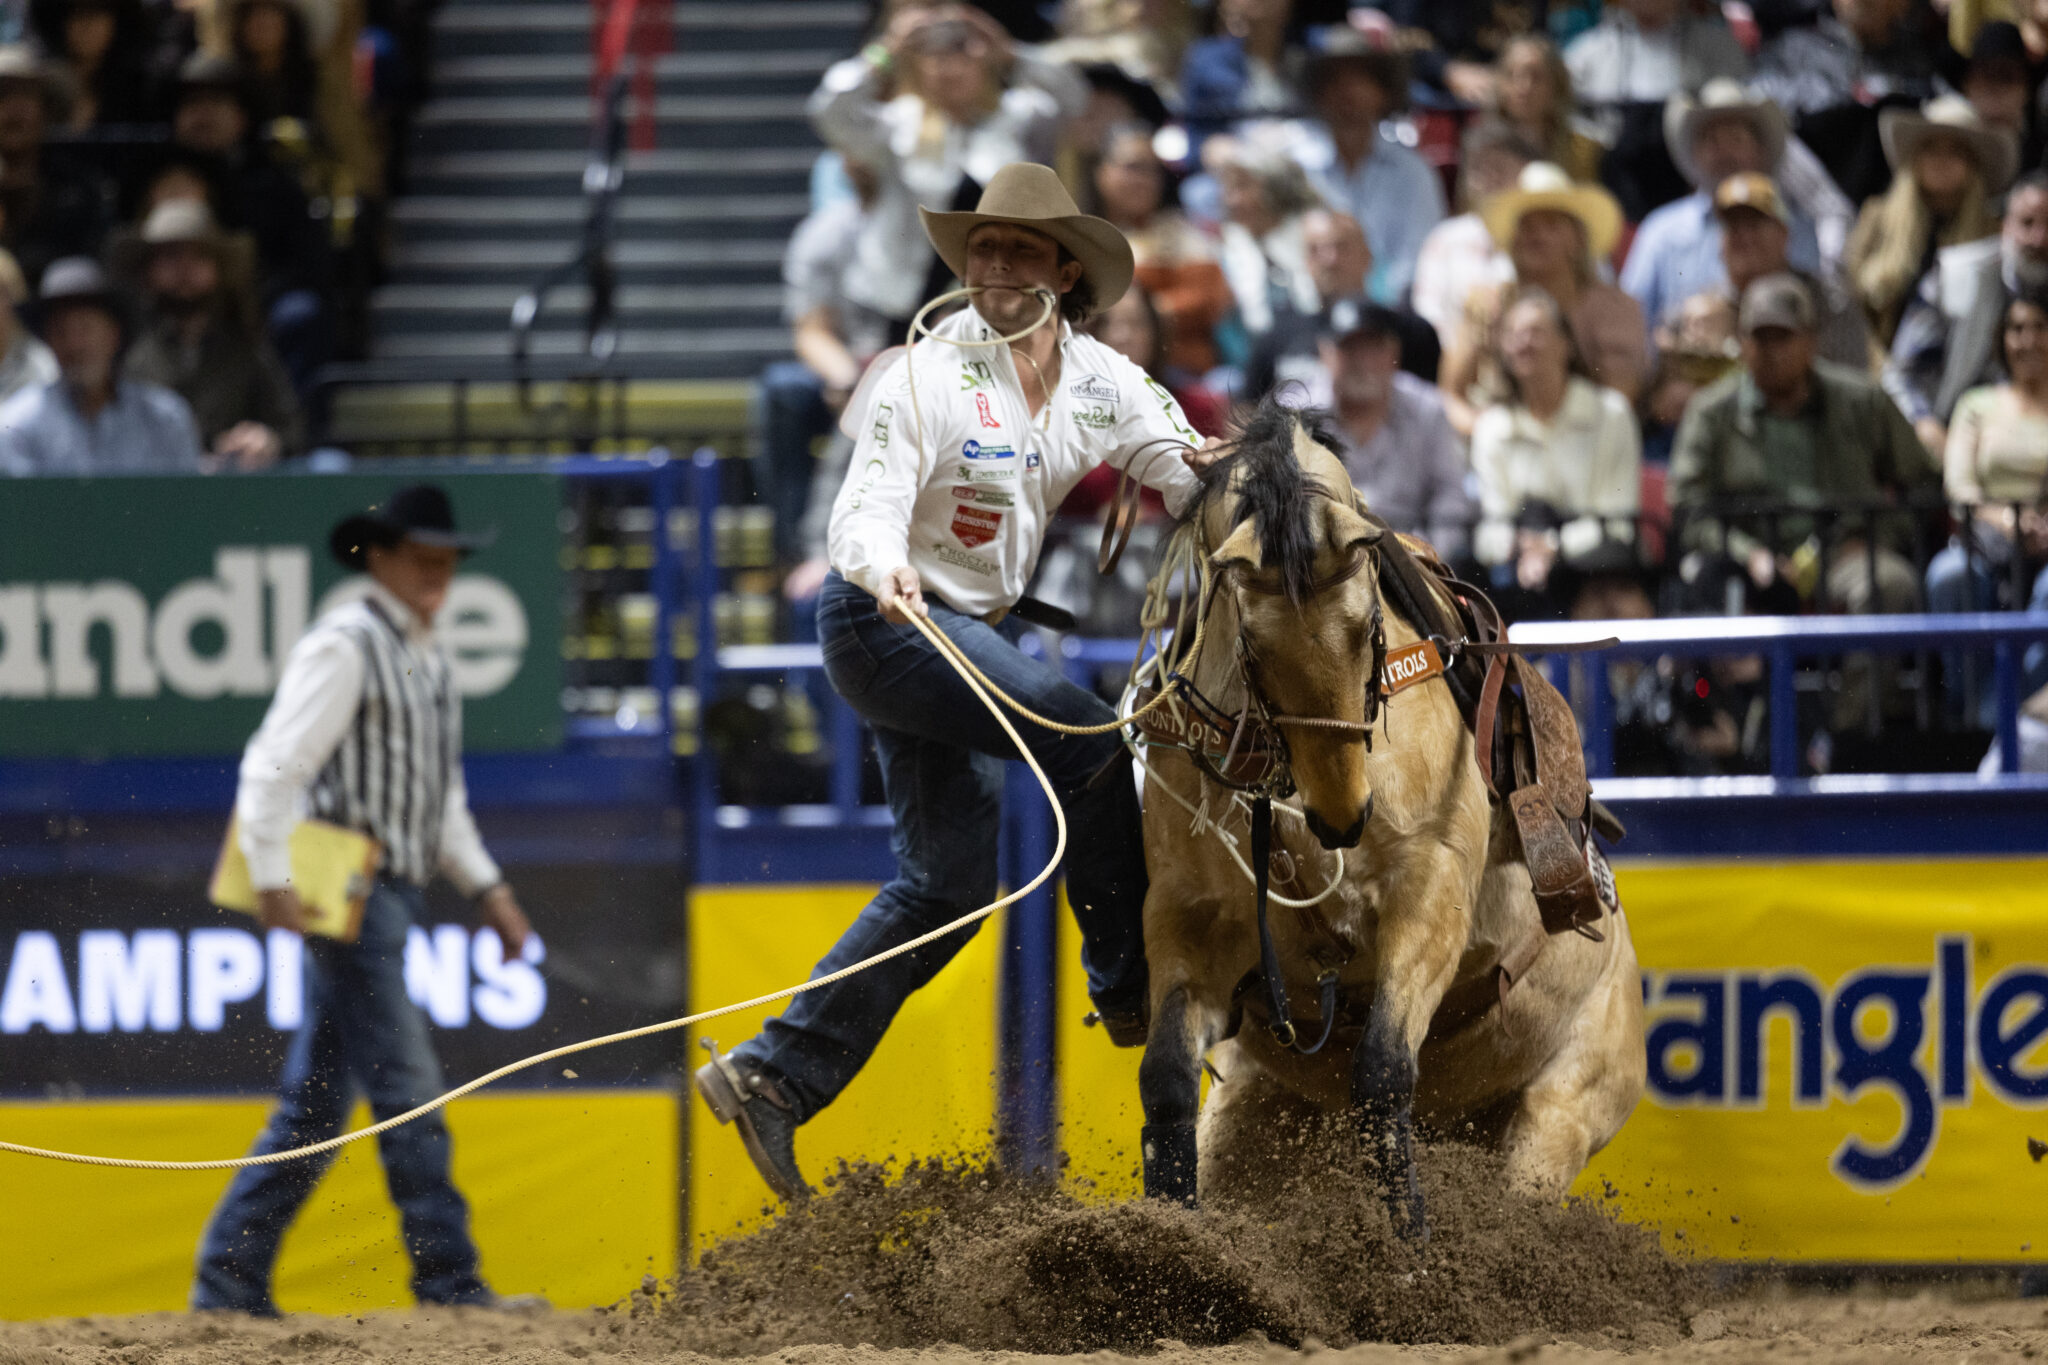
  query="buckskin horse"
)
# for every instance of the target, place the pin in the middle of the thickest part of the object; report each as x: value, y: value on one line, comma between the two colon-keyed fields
x: 1439, y: 898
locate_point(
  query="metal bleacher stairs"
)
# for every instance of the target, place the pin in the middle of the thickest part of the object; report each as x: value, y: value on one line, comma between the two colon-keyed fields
x: 494, y: 198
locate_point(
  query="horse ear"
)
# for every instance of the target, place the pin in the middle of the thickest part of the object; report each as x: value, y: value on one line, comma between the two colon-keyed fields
x: 1240, y: 547
x: 1347, y: 530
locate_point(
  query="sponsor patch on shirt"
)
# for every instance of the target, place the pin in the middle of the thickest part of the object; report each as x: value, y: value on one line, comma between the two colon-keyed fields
x: 973, y: 526
x: 988, y: 416
x: 960, y: 559
x: 988, y: 497
x: 1095, y: 387
x: 883, y: 414
x: 1031, y: 460
x: 1095, y: 419
x: 969, y: 474
x: 975, y: 450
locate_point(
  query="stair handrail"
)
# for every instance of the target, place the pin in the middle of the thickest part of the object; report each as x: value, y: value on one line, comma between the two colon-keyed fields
x: 604, y: 174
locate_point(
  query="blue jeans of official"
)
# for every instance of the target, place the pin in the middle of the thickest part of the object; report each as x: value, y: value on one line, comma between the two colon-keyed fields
x: 362, y: 1034
x: 942, y: 767
x: 1958, y: 581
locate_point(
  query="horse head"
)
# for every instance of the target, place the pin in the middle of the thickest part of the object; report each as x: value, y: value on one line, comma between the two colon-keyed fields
x: 1294, y: 555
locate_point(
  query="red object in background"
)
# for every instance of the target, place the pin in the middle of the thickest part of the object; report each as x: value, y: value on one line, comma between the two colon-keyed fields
x: 1437, y: 136
x: 1655, y: 514
x: 1742, y: 23
x: 646, y: 28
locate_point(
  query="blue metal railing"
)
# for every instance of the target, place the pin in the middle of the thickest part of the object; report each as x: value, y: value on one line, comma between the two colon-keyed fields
x: 1784, y: 642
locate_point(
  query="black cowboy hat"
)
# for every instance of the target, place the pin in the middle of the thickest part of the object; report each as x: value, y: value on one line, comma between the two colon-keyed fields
x: 419, y: 511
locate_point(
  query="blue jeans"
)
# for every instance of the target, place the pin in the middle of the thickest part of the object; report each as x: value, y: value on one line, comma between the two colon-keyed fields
x: 1959, y: 582
x: 361, y: 1032
x: 793, y: 415
x: 942, y: 766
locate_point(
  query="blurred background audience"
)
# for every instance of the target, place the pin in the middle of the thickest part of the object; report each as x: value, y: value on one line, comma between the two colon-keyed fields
x: 1629, y: 305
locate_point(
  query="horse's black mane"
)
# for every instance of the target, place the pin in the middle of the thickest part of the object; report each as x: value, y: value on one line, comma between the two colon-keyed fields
x: 1276, y: 493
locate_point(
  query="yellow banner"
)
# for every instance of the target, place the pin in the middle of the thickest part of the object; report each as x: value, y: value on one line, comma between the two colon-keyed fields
x: 1846, y: 1062
x: 1846, y: 1059
x: 929, y: 1089
x: 572, y: 1194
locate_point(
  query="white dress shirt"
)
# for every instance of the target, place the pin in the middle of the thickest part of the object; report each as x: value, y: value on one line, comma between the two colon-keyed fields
x: 317, y: 695
x: 967, y: 503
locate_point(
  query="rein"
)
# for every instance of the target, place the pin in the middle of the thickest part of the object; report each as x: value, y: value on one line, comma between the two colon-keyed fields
x: 1255, y: 758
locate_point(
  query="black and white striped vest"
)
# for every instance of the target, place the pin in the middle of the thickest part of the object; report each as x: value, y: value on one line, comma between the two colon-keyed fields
x: 389, y: 777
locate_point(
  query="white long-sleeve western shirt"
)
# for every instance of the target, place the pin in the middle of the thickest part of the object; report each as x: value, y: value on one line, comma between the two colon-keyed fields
x: 965, y: 497
x: 318, y: 694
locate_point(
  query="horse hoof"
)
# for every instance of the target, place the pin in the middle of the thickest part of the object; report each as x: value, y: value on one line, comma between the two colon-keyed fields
x: 1170, y: 1162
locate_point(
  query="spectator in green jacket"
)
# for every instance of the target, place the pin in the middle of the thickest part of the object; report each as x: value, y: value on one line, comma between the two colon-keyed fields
x: 1790, y: 431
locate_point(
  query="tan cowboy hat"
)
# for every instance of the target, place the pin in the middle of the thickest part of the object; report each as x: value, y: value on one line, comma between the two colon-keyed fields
x: 1722, y: 98
x: 1903, y: 130
x: 177, y: 222
x: 1546, y: 186
x: 1025, y: 194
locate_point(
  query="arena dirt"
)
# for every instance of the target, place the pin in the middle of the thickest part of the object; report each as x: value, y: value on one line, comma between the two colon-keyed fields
x: 956, y: 1253
x: 951, y: 1264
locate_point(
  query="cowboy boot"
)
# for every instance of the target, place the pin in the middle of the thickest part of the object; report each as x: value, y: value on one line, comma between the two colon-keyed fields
x: 1126, y: 1025
x: 766, y: 1120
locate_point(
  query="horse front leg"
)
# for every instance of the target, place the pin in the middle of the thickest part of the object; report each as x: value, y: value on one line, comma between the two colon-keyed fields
x: 1170, y: 1089
x: 1419, y: 947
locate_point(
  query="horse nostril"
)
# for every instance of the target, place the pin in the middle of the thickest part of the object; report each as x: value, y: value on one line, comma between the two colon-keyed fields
x: 1329, y: 837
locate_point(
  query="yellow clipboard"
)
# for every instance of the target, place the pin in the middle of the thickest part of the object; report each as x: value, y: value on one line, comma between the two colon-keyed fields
x: 332, y: 870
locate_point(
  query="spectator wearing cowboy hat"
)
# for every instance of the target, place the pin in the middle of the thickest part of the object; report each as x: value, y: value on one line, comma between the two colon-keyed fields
x: 1353, y: 85
x: 213, y: 128
x: 90, y: 420
x: 1555, y: 232
x: 201, y: 337
x: 1726, y: 131
x: 50, y: 204
x: 1835, y: 77
x: 365, y: 731
x: 1950, y: 166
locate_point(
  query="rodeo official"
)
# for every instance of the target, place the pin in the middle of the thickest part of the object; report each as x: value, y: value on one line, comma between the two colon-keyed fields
x: 365, y: 732
x: 943, y: 515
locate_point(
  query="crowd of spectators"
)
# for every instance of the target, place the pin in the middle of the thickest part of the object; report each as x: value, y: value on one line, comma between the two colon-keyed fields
x: 191, y: 196
x: 1632, y: 307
